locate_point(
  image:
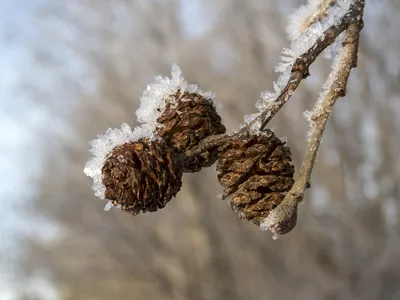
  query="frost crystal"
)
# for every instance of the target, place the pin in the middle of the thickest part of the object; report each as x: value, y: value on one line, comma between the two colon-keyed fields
x: 297, y: 20
x: 301, y: 43
x: 159, y: 93
x: 104, y: 144
x: 108, y: 206
x: 250, y: 118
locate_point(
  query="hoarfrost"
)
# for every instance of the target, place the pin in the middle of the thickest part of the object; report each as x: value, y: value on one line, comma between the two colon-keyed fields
x: 104, y: 144
x: 158, y: 94
x: 297, y: 20
x: 254, y: 126
x: 250, y: 118
x: 108, y: 206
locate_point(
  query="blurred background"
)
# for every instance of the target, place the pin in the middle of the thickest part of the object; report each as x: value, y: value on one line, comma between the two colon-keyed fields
x: 71, y: 69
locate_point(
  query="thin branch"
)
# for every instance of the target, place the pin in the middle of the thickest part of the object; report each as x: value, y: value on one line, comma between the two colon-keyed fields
x: 285, y: 216
x: 300, y: 69
x: 205, y: 144
x: 320, y: 115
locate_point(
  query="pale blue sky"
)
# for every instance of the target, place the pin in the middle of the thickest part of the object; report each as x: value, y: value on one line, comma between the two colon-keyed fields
x: 20, y: 121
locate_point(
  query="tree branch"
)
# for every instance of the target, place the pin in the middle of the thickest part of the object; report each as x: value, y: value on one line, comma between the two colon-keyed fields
x: 284, y: 218
x: 300, y: 69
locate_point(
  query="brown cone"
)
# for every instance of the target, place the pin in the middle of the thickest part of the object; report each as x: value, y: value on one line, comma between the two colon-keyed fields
x: 186, y: 121
x: 255, y: 171
x: 141, y: 176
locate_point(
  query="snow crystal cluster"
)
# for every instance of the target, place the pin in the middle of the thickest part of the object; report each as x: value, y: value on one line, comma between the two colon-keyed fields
x: 159, y: 93
x: 301, y: 43
x: 254, y: 127
x: 102, y: 147
x: 297, y: 20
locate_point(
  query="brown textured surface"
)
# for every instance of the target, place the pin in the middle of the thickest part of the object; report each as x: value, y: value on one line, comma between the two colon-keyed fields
x: 187, y: 121
x: 141, y: 176
x: 254, y: 172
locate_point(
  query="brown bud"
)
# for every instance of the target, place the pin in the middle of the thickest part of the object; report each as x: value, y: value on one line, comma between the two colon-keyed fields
x: 141, y: 176
x: 282, y: 219
x: 256, y: 172
x: 187, y: 119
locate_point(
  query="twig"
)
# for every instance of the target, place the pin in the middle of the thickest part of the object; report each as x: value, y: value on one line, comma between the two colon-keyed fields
x: 300, y: 69
x: 207, y: 143
x: 283, y: 219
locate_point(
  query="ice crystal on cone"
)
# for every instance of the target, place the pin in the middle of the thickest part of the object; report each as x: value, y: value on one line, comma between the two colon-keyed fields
x: 104, y: 144
x: 158, y: 94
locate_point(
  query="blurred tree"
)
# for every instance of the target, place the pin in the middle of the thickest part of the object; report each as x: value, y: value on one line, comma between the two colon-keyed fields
x: 346, y: 245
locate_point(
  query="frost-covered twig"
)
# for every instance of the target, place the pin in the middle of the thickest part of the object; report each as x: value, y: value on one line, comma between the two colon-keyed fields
x: 283, y: 219
x: 300, y: 67
x: 298, y: 72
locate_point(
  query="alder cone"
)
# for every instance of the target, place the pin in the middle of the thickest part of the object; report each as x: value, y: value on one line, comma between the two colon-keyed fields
x: 187, y: 120
x: 255, y: 172
x: 141, y: 176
